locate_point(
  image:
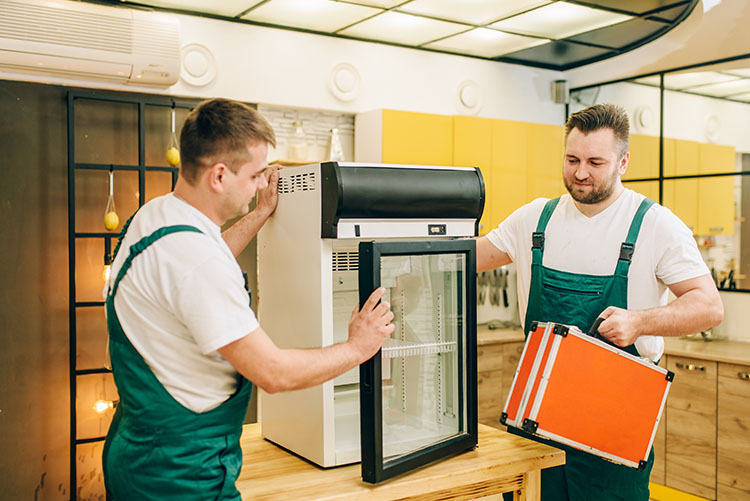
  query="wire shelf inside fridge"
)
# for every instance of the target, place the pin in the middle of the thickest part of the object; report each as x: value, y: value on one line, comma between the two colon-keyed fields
x: 393, y: 348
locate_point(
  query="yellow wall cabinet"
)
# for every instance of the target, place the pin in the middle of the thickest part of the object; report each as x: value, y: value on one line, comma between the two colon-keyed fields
x: 644, y: 157
x: 706, y: 205
x: 472, y: 147
x: 519, y: 161
x: 403, y: 137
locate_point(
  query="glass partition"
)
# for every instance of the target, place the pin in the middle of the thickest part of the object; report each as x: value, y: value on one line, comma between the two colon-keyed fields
x: 697, y: 166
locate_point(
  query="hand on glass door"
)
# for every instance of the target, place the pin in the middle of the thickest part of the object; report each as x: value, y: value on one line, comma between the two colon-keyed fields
x: 371, y: 325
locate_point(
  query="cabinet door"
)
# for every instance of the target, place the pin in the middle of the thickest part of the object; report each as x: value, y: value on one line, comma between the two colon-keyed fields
x: 715, y: 206
x: 644, y: 157
x: 733, y: 454
x: 716, y: 195
x: 418, y: 399
x: 681, y: 196
x: 650, y: 189
x: 546, y: 153
x: 489, y: 383
x: 472, y: 147
x: 417, y: 138
x: 511, y: 142
x: 691, y: 427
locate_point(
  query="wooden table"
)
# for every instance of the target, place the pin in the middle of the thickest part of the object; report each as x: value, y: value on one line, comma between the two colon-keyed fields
x: 501, y: 463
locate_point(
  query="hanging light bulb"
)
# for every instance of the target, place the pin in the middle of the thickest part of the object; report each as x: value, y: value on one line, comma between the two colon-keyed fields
x: 173, y: 152
x: 111, y: 219
x: 107, y: 261
x: 102, y: 406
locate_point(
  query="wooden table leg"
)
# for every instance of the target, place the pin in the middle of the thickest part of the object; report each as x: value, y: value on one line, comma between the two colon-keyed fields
x: 531, y: 490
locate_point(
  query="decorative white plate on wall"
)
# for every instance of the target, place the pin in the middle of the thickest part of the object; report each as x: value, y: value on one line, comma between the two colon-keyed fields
x: 468, y: 97
x: 198, y: 65
x: 344, y: 82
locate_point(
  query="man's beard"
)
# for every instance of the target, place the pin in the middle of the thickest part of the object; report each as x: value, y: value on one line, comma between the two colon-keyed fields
x: 596, y: 195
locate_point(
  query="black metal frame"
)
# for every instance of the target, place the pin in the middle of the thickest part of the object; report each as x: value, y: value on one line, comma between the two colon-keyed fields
x: 73, y: 235
x: 661, y: 178
x: 371, y: 410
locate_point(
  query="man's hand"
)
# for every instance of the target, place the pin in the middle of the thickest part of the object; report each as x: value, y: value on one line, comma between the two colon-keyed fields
x: 620, y: 327
x: 268, y: 197
x: 371, y: 325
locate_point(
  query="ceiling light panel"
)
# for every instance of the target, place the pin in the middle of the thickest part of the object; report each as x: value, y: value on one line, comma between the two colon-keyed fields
x: 742, y: 97
x: 682, y: 81
x: 477, y: 12
x: 319, y: 15
x: 403, y: 28
x: 559, y: 20
x: 740, y: 72
x: 723, y: 89
x: 386, y: 4
x: 485, y: 43
x: 229, y: 8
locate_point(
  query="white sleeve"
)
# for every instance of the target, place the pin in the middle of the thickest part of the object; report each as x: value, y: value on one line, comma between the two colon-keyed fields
x: 212, y: 302
x: 677, y: 256
x: 515, y: 231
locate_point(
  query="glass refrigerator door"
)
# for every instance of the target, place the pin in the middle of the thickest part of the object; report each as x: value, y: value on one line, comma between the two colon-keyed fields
x: 418, y: 393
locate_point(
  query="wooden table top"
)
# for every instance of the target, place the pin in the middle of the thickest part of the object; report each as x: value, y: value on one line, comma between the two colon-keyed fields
x: 270, y: 472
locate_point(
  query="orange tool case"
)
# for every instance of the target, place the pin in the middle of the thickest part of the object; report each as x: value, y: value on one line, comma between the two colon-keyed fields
x: 580, y: 391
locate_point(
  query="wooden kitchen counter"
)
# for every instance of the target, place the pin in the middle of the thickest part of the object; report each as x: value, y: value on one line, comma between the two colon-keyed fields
x: 716, y: 350
x: 501, y: 463
x: 485, y: 335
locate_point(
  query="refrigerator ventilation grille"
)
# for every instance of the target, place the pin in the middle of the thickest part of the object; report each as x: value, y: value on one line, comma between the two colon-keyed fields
x: 297, y: 182
x: 345, y: 261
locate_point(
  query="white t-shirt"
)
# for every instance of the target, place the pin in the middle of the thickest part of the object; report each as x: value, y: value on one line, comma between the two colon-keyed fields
x: 181, y: 300
x: 665, y: 252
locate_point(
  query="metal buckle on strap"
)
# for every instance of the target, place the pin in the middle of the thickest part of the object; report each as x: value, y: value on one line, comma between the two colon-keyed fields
x: 626, y: 251
x: 537, y: 240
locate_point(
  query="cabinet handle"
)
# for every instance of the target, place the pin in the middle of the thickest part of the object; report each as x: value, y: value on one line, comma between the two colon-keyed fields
x: 690, y: 367
x: 744, y: 375
x: 716, y: 228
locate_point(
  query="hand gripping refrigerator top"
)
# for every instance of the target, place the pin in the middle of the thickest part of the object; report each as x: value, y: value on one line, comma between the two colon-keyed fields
x: 581, y: 391
x: 341, y: 230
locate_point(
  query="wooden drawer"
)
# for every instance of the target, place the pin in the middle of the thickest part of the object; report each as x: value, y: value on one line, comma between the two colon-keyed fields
x: 694, y: 386
x: 490, y: 357
x: 733, y: 447
x: 489, y: 397
x: 691, y: 427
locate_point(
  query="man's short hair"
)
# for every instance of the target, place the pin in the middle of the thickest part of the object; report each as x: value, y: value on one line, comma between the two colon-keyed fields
x: 602, y: 116
x: 220, y: 130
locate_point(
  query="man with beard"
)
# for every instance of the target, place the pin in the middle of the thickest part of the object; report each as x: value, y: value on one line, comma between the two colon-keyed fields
x: 603, y: 251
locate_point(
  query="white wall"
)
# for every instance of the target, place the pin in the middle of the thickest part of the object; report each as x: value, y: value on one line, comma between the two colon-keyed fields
x: 292, y: 69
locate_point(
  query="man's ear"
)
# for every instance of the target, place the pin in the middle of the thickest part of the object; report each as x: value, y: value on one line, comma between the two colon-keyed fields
x: 624, y: 161
x: 216, y: 174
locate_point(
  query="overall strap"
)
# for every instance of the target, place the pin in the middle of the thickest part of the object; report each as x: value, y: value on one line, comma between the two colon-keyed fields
x: 144, y: 242
x: 628, y: 246
x: 537, y: 237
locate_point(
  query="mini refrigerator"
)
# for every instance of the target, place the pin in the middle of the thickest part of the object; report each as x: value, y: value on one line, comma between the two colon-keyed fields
x: 341, y: 230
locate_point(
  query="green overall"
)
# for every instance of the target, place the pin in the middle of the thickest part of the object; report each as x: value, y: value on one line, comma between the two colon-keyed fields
x: 578, y: 299
x: 156, y: 448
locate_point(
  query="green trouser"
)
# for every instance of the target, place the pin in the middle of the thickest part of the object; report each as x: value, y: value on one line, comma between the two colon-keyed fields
x: 577, y: 299
x: 156, y: 448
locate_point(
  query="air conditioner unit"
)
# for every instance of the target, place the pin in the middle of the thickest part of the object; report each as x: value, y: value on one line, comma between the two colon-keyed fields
x: 87, y: 40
